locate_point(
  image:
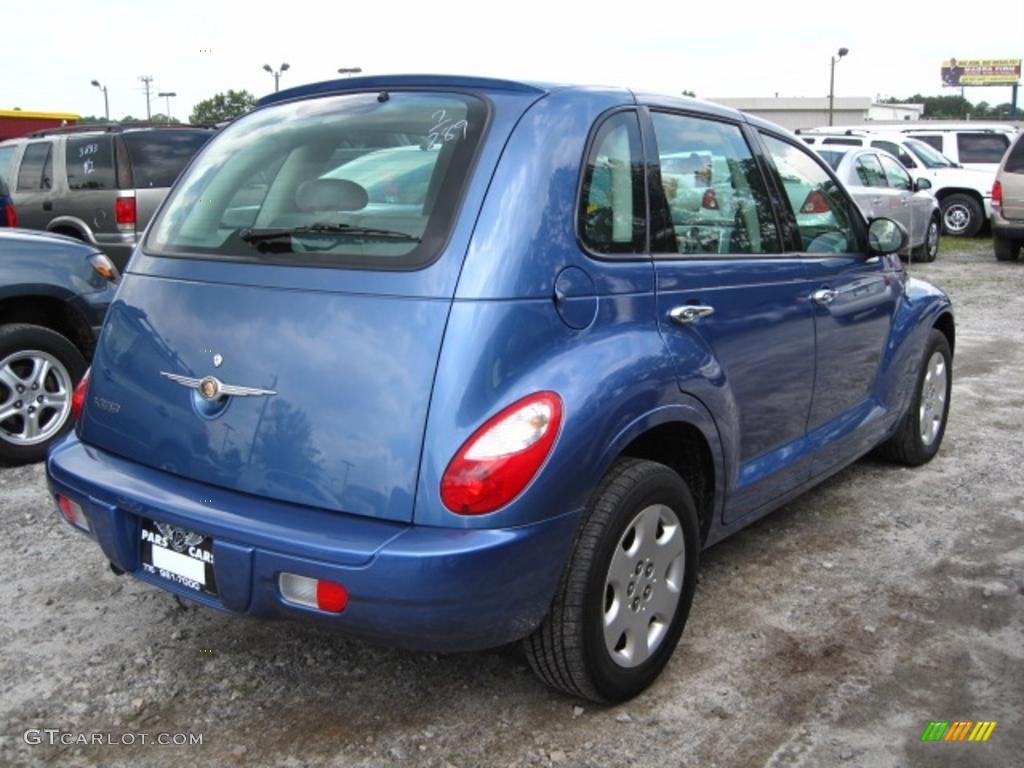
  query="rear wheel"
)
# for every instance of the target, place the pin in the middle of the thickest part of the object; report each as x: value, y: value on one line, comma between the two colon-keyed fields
x: 962, y: 215
x: 929, y: 249
x: 626, y: 591
x: 38, y: 371
x: 1006, y: 248
x: 920, y: 433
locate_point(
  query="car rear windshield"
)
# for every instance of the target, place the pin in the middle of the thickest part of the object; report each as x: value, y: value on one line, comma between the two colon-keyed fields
x: 157, y: 157
x: 370, y: 180
x: 833, y: 157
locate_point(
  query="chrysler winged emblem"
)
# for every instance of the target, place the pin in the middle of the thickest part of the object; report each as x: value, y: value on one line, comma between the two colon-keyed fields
x: 178, y: 538
x: 210, y: 387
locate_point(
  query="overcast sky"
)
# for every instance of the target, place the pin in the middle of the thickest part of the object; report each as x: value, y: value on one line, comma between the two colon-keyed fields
x: 51, y: 52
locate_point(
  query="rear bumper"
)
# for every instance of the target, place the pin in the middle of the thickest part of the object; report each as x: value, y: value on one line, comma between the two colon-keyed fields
x: 440, y: 589
x: 1007, y: 228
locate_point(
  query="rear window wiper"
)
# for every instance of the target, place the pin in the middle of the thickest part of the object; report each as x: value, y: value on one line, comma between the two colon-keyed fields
x: 253, y: 235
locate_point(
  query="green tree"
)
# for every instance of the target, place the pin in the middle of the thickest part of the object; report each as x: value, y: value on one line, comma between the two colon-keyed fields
x: 223, y: 106
x: 163, y: 119
x: 689, y: 93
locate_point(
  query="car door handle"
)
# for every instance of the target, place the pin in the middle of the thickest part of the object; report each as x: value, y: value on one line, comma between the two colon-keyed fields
x: 689, y: 313
x: 825, y: 296
x: 876, y: 201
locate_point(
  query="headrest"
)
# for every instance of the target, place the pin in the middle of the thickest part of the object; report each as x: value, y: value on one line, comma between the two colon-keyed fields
x: 330, y: 195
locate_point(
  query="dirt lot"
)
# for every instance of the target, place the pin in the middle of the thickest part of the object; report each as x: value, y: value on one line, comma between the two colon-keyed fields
x: 830, y: 633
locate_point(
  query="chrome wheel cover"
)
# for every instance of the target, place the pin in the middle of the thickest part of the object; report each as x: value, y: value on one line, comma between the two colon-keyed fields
x: 957, y: 217
x: 35, y: 397
x: 932, y: 409
x: 643, y: 585
x: 933, y: 238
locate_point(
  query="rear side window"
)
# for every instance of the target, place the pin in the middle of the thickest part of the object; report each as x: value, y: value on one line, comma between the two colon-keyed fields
x: 716, y: 196
x: 365, y: 180
x: 870, y: 172
x: 6, y: 161
x: 612, y: 213
x: 1015, y: 160
x: 898, y: 151
x: 822, y: 212
x: 90, y: 163
x: 36, y: 170
x: 981, y: 147
x: 157, y: 157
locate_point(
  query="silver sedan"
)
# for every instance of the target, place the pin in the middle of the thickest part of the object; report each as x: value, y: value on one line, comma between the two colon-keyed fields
x: 882, y: 187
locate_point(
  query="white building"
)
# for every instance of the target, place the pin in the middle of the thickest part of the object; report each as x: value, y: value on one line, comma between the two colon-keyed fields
x: 812, y: 112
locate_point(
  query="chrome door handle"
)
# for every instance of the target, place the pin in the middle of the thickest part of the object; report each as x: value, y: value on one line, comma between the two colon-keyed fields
x: 689, y: 313
x: 825, y: 296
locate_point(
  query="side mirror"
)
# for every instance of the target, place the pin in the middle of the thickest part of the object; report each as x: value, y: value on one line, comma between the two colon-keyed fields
x: 922, y: 184
x: 886, y: 236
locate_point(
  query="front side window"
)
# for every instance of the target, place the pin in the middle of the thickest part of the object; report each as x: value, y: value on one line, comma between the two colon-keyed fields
x: 370, y: 180
x: 896, y: 150
x: 36, y: 170
x: 897, y: 177
x: 821, y: 210
x: 714, y: 190
x: 613, y: 206
x: 870, y: 172
x: 90, y: 163
x: 981, y: 147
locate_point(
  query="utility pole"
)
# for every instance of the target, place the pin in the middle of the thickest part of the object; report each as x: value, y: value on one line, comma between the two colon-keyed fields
x: 146, y: 81
x: 832, y: 82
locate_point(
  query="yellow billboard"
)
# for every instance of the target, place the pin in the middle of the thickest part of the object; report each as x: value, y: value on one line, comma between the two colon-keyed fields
x: 958, y: 73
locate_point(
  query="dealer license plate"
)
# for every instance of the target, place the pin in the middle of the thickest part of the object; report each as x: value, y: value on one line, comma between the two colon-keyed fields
x: 178, y: 555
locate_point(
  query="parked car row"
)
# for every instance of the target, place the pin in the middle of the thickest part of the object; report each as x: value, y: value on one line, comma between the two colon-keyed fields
x: 390, y: 360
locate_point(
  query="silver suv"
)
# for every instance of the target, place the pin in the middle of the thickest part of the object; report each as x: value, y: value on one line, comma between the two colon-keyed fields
x: 1008, y: 204
x: 100, y: 185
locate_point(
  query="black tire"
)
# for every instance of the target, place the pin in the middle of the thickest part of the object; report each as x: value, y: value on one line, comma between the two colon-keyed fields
x: 907, y: 446
x: 962, y: 215
x: 1006, y: 248
x: 568, y: 650
x: 929, y: 249
x: 17, y: 338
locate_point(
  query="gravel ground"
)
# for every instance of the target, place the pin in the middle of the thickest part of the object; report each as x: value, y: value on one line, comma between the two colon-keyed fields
x: 829, y: 633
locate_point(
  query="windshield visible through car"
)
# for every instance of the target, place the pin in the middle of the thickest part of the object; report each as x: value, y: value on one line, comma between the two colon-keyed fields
x: 366, y: 179
x: 928, y: 155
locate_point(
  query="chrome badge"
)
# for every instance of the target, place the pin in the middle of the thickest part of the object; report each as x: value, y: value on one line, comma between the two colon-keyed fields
x: 218, y: 361
x: 211, y: 388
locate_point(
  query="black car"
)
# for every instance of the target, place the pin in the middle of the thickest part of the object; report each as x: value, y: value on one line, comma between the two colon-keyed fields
x: 54, y: 292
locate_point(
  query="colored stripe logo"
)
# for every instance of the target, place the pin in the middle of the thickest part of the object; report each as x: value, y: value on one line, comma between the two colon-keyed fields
x: 958, y: 730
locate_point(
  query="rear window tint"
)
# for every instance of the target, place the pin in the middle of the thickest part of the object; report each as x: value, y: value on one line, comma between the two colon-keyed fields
x: 981, y: 147
x: 157, y: 157
x: 90, y: 163
x: 367, y: 180
x: 1015, y: 160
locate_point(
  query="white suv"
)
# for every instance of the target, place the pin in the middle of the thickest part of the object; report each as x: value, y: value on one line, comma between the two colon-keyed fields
x: 972, y: 145
x: 964, y: 194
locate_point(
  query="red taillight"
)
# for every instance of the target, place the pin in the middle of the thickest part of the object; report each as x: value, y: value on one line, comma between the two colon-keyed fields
x: 72, y: 512
x: 710, y: 200
x: 80, y: 393
x: 330, y: 596
x: 815, y: 202
x: 10, y: 215
x: 313, y: 593
x: 502, y: 457
x: 124, y: 210
x: 997, y: 195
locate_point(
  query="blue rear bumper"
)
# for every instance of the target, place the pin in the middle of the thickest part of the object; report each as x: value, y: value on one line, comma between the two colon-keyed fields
x: 440, y: 589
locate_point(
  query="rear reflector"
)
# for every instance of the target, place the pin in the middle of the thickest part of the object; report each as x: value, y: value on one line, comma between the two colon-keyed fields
x: 72, y: 512
x: 124, y: 210
x: 323, y: 595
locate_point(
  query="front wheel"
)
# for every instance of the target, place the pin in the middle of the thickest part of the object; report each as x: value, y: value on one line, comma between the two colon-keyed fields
x: 929, y: 249
x: 920, y: 432
x: 626, y: 591
x: 962, y: 216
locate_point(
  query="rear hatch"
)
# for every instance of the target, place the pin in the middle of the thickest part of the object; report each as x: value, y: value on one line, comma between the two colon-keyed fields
x: 307, y: 302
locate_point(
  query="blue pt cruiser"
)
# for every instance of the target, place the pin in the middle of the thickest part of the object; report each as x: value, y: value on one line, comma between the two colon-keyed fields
x: 450, y: 362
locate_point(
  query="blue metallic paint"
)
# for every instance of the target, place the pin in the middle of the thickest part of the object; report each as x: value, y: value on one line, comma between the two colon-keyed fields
x: 411, y: 363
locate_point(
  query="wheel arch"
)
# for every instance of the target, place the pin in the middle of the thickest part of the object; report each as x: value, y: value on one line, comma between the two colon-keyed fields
x: 944, y: 323
x: 52, y: 312
x: 71, y: 226
x: 945, y: 192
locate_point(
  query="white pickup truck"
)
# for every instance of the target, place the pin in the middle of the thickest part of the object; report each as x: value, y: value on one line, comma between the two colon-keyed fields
x: 964, y: 194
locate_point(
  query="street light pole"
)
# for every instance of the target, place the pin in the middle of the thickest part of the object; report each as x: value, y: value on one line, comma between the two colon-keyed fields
x: 832, y: 82
x: 106, y: 102
x: 277, y: 74
x: 167, y: 99
x: 350, y: 71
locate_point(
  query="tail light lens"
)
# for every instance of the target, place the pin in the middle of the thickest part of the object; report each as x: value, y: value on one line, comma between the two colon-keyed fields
x: 321, y: 594
x: 72, y: 512
x: 997, y: 195
x: 709, y: 200
x: 124, y: 210
x: 815, y: 202
x: 10, y: 215
x: 503, y: 456
x: 80, y: 394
